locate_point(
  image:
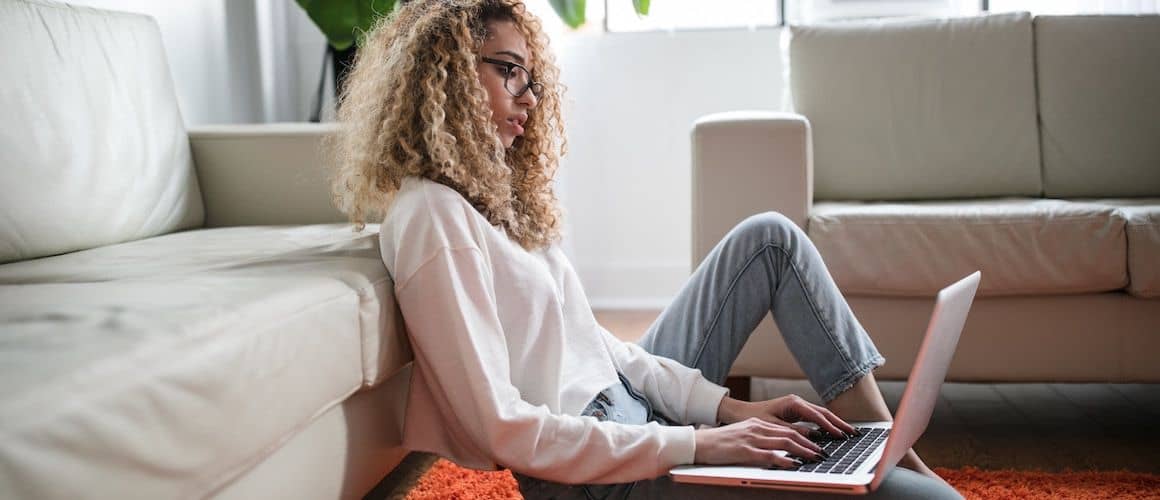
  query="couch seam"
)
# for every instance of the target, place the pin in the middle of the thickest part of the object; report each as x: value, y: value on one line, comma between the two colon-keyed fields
x: 941, y: 221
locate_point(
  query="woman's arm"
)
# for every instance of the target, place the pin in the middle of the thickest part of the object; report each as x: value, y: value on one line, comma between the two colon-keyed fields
x: 675, y: 390
x: 449, y: 307
x: 681, y: 392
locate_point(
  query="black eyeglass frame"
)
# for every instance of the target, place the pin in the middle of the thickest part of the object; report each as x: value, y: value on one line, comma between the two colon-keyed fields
x: 536, y: 87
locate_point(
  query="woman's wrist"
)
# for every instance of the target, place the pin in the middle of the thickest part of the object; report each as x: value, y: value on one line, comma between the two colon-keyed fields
x: 730, y: 410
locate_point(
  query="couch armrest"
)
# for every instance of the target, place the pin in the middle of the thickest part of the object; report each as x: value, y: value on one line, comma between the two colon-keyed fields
x: 748, y: 162
x: 265, y: 174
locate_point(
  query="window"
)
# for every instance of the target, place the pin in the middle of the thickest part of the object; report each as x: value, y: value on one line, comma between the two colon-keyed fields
x: 811, y: 11
x: 673, y: 15
x: 1065, y: 7
x: 669, y: 15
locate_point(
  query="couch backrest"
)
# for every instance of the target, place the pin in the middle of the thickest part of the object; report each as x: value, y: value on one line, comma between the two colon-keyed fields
x: 904, y: 109
x: 1099, y: 104
x: 93, y: 150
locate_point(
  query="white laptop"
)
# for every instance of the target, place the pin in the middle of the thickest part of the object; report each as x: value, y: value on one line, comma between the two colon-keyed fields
x: 858, y: 465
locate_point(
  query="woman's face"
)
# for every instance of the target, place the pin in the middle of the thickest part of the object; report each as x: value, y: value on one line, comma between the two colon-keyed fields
x: 501, y: 79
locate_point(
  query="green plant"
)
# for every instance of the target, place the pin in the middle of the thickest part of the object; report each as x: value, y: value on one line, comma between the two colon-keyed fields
x: 344, y: 21
x: 572, y: 11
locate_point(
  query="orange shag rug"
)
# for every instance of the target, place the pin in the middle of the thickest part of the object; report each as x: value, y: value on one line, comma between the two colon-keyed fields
x: 448, y: 481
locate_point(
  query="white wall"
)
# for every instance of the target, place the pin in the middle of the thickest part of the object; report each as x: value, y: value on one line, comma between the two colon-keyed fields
x: 626, y: 181
x: 212, y: 57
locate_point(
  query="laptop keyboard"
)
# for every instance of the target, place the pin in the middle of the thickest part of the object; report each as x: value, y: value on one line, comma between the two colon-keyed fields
x: 845, y: 454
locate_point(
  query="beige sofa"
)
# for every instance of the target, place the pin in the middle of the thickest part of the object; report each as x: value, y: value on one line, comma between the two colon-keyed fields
x: 921, y: 150
x: 182, y: 313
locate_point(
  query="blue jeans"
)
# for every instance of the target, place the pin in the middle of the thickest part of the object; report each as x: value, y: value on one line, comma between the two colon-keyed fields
x: 765, y: 264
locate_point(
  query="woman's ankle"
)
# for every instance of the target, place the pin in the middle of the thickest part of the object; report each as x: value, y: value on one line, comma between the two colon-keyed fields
x: 862, y: 402
x: 913, y: 462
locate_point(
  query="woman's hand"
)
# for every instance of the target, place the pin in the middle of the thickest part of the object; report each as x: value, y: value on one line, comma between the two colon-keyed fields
x: 785, y: 411
x: 754, y: 442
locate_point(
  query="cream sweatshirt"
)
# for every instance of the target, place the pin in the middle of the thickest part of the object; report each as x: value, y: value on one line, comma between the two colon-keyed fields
x: 508, y: 354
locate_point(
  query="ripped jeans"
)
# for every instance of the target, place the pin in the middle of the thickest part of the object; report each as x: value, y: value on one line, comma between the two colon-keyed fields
x: 765, y: 264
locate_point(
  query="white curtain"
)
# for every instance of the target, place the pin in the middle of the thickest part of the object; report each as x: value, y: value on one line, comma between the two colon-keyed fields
x: 235, y: 61
x: 291, y: 50
x: 279, y: 79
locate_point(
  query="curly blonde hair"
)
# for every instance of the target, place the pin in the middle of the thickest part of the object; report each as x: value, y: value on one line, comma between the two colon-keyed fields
x: 413, y: 106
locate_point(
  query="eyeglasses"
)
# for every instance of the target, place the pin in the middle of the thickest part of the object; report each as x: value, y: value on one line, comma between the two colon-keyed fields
x: 516, y: 79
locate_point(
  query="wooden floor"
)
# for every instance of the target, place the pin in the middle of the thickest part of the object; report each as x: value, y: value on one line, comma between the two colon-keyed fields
x: 996, y: 426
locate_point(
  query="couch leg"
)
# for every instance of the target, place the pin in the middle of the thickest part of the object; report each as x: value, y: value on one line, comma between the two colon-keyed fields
x: 739, y: 387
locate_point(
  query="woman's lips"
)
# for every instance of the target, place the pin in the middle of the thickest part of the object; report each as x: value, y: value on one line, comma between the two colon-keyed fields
x: 516, y: 127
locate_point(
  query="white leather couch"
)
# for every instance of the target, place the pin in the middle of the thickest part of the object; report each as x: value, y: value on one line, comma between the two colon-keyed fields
x: 921, y: 150
x: 182, y: 313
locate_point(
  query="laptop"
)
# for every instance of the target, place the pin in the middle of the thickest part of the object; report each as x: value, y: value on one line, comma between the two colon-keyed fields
x: 859, y: 464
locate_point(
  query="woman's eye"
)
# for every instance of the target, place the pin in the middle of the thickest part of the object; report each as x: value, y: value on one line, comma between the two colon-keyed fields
x: 504, y: 71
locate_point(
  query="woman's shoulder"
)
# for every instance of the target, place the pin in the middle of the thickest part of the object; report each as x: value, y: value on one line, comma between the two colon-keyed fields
x: 418, y: 194
x: 426, y: 214
x: 424, y: 200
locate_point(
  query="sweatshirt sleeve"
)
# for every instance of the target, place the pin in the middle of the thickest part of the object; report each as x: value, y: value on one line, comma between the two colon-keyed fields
x: 677, y: 391
x: 449, y: 306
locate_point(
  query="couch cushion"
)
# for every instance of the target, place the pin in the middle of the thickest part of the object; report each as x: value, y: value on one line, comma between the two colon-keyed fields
x: 92, y: 146
x: 1098, y: 104
x: 1022, y: 246
x: 1143, y: 229
x: 161, y: 368
x: 919, y: 109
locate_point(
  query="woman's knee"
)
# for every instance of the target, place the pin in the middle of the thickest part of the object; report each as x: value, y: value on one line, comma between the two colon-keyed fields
x: 905, y: 483
x: 768, y: 226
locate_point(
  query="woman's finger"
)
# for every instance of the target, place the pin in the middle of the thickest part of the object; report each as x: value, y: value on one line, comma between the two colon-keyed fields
x: 788, y: 445
x: 805, y: 432
x: 809, y: 413
x: 763, y: 457
x: 771, y: 433
x: 836, y: 420
x: 805, y: 441
x: 798, y: 434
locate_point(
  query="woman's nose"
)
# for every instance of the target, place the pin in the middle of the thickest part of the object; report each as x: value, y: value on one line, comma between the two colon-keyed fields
x: 528, y: 99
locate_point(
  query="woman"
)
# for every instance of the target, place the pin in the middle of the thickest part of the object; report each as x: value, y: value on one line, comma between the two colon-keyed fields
x: 452, y: 133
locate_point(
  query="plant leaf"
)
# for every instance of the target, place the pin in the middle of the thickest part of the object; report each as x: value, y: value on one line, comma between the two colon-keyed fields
x: 344, y: 22
x: 369, y: 13
x: 641, y: 6
x: 335, y: 19
x: 571, y: 11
